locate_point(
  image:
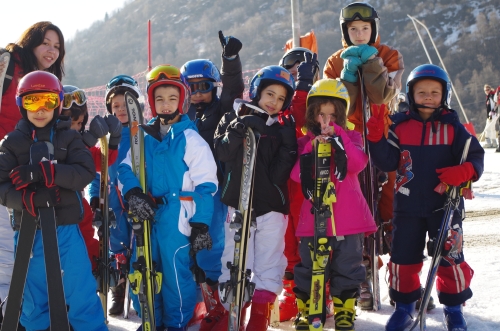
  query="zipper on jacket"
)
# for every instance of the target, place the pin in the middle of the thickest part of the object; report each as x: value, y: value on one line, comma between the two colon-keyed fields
x: 281, y: 193
x: 227, y: 184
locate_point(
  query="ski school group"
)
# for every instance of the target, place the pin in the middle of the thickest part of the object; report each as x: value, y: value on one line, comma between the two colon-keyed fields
x: 293, y: 193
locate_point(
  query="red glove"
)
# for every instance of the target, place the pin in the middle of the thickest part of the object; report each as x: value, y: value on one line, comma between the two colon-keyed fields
x: 457, y: 175
x: 376, y: 124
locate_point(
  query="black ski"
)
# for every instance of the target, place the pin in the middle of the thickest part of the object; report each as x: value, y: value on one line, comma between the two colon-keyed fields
x: 451, y: 205
x: 39, y: 151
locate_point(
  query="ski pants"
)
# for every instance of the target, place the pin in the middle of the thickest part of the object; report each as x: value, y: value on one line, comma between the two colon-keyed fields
x: 292, y: 241
x: 6, y: 253
x: 85, y: 310
x: 175, y: 303
x: 210, y: 260
x: 264, y: 252
x: 453, y: 274
x: 490, y: 130
x: 344, y: 270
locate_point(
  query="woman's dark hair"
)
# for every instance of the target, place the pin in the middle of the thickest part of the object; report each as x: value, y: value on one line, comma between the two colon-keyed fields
x: 32, y: 38
x: 314, y: 107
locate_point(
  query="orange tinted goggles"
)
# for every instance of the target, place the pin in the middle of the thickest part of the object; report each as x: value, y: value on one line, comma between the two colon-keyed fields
x: 168, y: 71
x: 36, y: 101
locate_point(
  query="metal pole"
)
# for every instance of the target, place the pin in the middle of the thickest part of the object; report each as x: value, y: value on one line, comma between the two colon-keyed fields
x: 421, y: 40
x: 295, y: 23
x: 442, y: 64
x: 149, y: 45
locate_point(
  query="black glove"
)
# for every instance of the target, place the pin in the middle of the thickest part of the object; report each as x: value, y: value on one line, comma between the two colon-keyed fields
x: 140, y: 205
x: 94, y: 203
x: 254, y: 122
x: 24, y: 175
x: 340, y: 157
x: 200, y: 238
x: 306, y: 175
x: 42, y: 198
x: 287, y: 130
x: 306, y: 72
x: 115, y: 129
x: 97, y: 129
x: 231, y: 46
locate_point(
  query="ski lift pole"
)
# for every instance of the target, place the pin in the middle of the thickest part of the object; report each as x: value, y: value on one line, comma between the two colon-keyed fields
x: 440, y: 59
x: 295, y: 23
x: 149, y: 45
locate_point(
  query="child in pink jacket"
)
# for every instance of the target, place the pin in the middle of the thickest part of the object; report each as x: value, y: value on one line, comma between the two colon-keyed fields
x: 326, y: 104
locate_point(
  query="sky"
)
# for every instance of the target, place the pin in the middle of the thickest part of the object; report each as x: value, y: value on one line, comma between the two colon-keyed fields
x: 69, y: 16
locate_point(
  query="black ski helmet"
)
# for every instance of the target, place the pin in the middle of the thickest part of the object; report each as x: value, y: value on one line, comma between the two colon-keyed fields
x: 359, y: 11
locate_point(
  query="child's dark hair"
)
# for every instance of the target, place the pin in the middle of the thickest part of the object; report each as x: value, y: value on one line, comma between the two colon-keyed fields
x: 75, y: 112
x: 314, y: 107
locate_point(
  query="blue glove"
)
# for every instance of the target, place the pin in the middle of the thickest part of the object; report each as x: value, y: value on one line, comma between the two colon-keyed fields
x: 367, y: 52
x: 352, y: 51
x: 349, y: 76
x: 352, y: 63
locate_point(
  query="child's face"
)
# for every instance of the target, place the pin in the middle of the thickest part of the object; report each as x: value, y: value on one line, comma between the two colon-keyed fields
x: 272, y: 98
x: 75, y: 125
x: 119, y: 109
x: 48, y: 51
x: 198, y: 96
x: 359, y: 32
x: 40, y: 118
x: 327, y: 115
x: 427, y: 92
x: 167, y: 100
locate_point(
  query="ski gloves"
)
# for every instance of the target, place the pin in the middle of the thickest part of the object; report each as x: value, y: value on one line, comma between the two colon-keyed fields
x: 457, y: 175
x: 239, y: 125
x: 306, y: 72
x: 231, y: 46
x: 24, y: 175
x: 354, y: 57
x: 200, y: 238
x: 99, y: 127
x: 140, y: 205
x: 340, y: 157
x: 287, y: 130
x: 376, y: 124
x: 44, y: 197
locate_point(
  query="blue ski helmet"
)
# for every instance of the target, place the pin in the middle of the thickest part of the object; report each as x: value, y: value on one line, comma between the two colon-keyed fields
x: 121, y: 83
x: 273, y: 74
x: 429, y: 71
x: 202, y: 68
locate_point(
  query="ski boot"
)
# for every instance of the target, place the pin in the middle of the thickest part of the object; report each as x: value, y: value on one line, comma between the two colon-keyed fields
x: 288, y: 305
x: 329, y: 309
x: 498, y: 148
x: 213, y: 316
x: 345, y: 313
x: 365, y: 300
x: 488, y: 143
x: 118, y: 298
x: 402, y: 317
x: 222, y: 324
x: 454, y: 318
x: 430, y: 305
x: 301, y: 322
x: 259, y: 316
x: 198, y: 314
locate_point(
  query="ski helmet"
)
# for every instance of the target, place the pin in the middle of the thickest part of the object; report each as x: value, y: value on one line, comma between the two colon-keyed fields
x: 429, y: 71
x: 122, y: 84
x: 297, y: 54
x: 359, y: 11
x: 39, y: 81
x: 202, y: 68
x: 75, y: 101
x: 269, y: 75
x: 166, y: 74
x: 329, y: 88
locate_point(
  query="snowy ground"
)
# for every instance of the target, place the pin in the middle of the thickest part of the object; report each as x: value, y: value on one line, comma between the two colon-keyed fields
x: 482, y: 249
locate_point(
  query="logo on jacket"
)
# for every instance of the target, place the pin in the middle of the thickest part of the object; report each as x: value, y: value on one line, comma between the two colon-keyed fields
x: 404, y: 173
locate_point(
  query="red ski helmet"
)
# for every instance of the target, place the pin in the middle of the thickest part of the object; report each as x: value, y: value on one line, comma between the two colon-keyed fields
x: 39, y: 81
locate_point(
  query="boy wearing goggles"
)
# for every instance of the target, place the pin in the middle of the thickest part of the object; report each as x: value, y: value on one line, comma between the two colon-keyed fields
x: 208, y: 105
x: 181, y: 178
x: 27, y: 187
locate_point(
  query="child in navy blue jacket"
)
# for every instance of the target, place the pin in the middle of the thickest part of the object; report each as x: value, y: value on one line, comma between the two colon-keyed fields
x: 424, y: 146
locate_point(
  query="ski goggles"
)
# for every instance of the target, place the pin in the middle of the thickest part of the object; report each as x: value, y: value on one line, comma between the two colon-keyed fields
x: 120, y: 80
x: 291, y: 59
x: 362, y: 12
x: 77, y: 97
x: 167, y: 71
x: 204, y: 86
x: 36, y: 101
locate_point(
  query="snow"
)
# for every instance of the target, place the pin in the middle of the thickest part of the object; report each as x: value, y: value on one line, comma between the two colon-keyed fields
x: 481, y: 248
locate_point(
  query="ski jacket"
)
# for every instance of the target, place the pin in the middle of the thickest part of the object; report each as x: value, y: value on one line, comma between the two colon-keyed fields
x: 274, y: 161
x: 73, y: 171
x: 180, y: 172
x: 232, y: 88
x: 415, y: 149
x: 298, y: 109
x: 381, y: 75
x: 351, y: 213
x: 10, y: 114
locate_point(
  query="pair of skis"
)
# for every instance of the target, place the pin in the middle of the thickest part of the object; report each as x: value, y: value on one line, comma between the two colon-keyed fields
x: 454, y: 194
x: 145, y: 281
x: 46, y: 219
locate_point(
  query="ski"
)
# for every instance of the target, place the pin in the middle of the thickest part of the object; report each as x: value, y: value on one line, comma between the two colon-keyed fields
x: 46, y: 219
x: 102, y: 222
x: 123, y: 265
x: 239, y: 289
x: 145, y: 281
x: 454, y: 195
